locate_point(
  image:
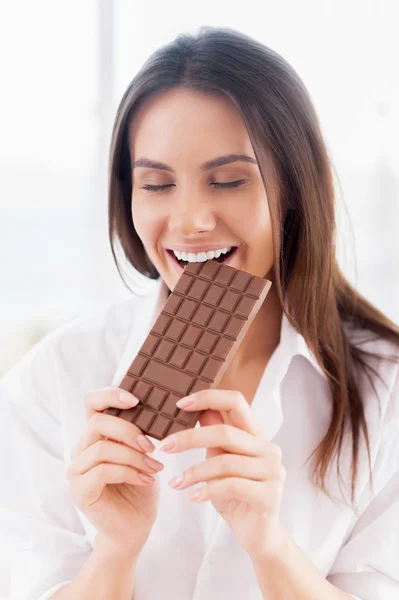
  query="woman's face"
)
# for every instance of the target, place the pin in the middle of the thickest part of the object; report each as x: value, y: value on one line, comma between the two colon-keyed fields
x: 194, y: 213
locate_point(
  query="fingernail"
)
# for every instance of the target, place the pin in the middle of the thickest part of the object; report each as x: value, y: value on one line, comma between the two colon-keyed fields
x: 195, y: 495
x: 167, y: 444
x: 145, y: 443
x: 186, y: 402
x: 146, y: 478
x: 128, y: 399
x: 153, y: 464
x: 176, y: 481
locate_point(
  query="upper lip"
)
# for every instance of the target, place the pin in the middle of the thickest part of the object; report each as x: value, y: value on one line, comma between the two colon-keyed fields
x: 199, y: 248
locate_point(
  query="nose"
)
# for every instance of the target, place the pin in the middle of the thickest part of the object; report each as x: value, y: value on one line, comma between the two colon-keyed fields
x: 188, y: 217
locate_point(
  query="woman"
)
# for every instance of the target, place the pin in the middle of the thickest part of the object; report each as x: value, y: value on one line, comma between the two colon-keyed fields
x: 216, y: 153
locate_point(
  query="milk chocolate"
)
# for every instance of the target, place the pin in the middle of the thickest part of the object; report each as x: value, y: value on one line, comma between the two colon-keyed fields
x: 190, y: 345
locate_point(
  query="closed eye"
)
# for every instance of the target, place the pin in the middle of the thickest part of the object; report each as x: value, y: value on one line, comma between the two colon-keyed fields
x: 230, y: 184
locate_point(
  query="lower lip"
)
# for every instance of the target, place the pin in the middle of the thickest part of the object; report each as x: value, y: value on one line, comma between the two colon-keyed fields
x: 179, y: 269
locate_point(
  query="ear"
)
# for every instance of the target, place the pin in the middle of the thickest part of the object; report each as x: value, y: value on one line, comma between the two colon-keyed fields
x: 210, y: 417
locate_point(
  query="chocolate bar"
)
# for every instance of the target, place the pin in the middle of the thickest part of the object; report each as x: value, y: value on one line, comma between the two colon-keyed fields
x: 190, y: 345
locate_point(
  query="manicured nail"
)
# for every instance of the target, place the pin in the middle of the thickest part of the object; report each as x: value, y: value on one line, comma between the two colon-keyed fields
x: 176, y: 481
x: 185, y: 402
x: 146, y: 478
x: 195, y: 495
x: 167, y: 444
x: 153, y: 464
x: 128, y: 399
x: 145, y: 444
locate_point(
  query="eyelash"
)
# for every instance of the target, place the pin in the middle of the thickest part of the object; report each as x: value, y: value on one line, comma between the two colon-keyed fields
x: 230, y: 184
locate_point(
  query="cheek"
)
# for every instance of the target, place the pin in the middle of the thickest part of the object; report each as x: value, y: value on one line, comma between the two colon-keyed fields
x: 145, y: 221
x: 261, y: 223
x: 252, y: 218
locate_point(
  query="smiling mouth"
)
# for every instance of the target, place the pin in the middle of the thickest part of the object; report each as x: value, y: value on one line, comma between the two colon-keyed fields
x: 222, y: 258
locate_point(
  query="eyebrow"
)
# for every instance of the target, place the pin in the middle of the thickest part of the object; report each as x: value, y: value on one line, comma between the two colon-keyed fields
x: 210, y: 164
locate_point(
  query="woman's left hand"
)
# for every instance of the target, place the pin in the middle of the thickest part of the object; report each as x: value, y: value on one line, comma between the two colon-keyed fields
x: 243, y: 474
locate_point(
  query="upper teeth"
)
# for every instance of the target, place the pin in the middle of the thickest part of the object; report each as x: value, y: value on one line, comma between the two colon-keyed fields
x: 200, y: 256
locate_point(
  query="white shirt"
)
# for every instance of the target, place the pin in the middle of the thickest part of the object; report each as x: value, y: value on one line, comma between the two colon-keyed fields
x: 191, y: 552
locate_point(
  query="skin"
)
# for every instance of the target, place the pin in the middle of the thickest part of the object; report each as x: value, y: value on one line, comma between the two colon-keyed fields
x: 242, y: 473
x: 184, y: 129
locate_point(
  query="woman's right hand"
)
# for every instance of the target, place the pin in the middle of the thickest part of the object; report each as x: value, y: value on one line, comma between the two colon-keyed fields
x: 105, y: 475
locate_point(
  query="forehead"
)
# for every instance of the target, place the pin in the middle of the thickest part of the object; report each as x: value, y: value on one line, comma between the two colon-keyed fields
x: 186, y: 119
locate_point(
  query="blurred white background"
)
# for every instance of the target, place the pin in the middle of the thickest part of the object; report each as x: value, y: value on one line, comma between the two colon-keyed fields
x: 64, y: 68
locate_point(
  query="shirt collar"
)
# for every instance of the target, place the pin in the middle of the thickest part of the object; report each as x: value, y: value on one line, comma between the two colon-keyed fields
x: 292, y: 343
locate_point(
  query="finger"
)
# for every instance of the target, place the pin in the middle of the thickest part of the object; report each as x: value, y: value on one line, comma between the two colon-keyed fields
x: 86, y: 489
x: 228, y: 465
x: 99, y: 400
x: 263, y: 496
x: 223, y: 436
x: 105, y: 451
x: 101, y: 426
x: 232, y: 403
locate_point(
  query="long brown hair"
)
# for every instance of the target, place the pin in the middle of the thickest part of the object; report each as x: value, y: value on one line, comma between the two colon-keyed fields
x: 297, y: 174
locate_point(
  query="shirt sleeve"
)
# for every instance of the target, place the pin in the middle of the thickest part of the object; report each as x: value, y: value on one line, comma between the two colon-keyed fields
x: 41, y: 525
x: 367, y: 566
